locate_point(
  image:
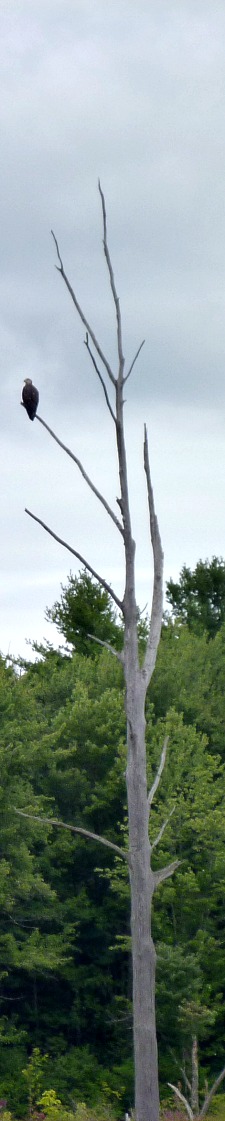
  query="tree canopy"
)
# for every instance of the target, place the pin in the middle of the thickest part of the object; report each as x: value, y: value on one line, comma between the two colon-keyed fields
x: 64, y: 922
x: 84, y: 610
x: 198, y: 598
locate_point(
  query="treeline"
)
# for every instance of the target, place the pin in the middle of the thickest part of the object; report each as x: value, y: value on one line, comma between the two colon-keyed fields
x: 64, y: 917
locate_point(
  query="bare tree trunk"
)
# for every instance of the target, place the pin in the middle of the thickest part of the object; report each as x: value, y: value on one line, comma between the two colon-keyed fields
x: 194, y: 1079
x: 143, y: 951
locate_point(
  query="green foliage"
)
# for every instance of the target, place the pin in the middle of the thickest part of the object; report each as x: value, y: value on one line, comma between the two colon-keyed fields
x: 52, y: 1107
x: 12, y: 1082
x: 76, y: 1071
x: 86, y: 609
x: 199, y: 597
x: 102, y: 1112
x: 55, y: 1111
x: 217, y: 1109
x: 34, y: 1076
x: 65, y: 918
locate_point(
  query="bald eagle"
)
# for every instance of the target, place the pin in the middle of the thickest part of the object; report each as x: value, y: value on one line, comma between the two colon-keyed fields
x: 30, y: 398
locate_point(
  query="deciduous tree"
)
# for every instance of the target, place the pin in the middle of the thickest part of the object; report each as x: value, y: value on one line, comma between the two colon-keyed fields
x: 199, y: 597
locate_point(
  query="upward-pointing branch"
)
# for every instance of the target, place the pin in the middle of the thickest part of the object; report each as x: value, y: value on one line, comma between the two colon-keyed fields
x: 212, y: 1092
x: 182, y: 1099
x: 81, y: 314
x: 101, y: 379
x: 134, y: 360
x: 84, y: 473
x: 79, y: 557
x: 157, y: 598
x: 112, y: 283
x: 159, y: 772
x: 162, y: 830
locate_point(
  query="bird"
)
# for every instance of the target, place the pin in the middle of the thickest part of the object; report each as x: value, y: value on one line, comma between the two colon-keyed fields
x: 30, y: 398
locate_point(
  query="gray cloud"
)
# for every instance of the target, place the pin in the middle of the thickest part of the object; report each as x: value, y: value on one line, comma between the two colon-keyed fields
x: 136, y: 95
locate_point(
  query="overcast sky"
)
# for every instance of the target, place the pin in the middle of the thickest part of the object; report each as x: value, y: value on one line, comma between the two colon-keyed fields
x: 135, y: 94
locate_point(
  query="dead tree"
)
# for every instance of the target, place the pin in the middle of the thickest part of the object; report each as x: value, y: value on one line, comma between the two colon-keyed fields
x: 191, y: 1104
x: 143, y: 880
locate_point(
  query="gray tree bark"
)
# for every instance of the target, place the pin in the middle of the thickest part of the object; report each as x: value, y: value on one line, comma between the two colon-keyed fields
x: 143, y: 880
x: 195, y: 1077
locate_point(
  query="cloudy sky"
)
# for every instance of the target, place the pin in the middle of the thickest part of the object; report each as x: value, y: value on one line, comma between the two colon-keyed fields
x: 135, y: 94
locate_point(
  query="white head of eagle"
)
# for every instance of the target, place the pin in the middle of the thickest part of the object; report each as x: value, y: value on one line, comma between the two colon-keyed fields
x: 30, y: 398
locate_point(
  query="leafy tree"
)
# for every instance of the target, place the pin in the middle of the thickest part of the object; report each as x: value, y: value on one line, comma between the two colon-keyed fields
x: 189, y: 676
x: 86, y: 609
x: 198, y: 599
x: 34, y: 937
x: 63, y: 734
x: 64, y: 723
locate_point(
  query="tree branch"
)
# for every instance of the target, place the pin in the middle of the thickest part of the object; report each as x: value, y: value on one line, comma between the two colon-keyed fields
x: 157, y: 599
x: 134, y: 360
x: 117, y: 653
x: 161, y: 831
x: 82, y: 316
x: 159, y: 772
x: 84, y: 473
x: 211, y: 1093
x: 181, y: 1069
x: 112, y: 283
x: 182, y: 1099
x: 76, y: 829
x: 86, y: 343
x: 79, y: 557
x: 164, y: 873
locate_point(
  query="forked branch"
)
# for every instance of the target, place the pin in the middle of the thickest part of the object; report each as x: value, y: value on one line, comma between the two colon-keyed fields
x: 74, y: 552
x: 89, y: 482
x: 134, y: 360
x: 207, y: 1101
x: 81, y: 314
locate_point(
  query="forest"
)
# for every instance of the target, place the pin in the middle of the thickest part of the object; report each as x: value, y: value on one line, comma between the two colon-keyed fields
x: 66, y: 1017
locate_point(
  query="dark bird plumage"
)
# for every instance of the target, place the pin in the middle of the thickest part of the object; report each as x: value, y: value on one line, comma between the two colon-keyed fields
x: 30, y: 398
